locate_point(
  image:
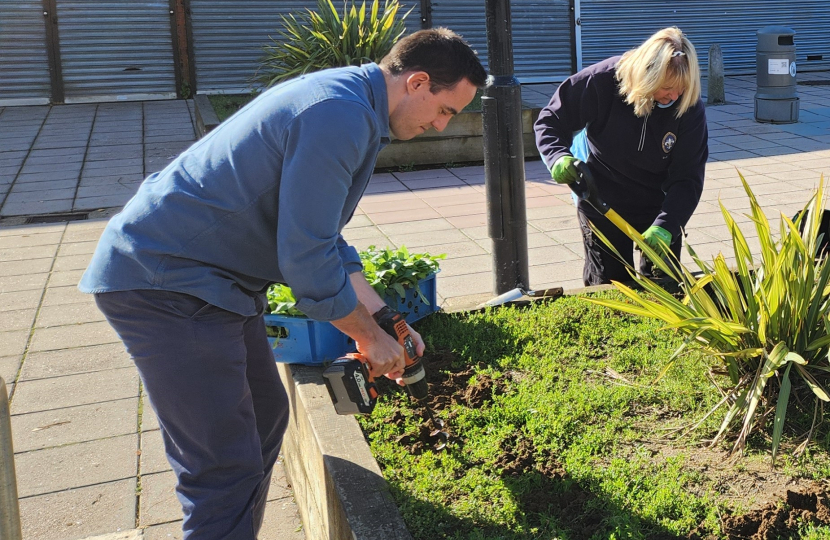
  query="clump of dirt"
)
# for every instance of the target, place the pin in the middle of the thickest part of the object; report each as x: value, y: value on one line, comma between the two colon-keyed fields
x: 553, y: 492
x: 449, y: 384
x: 426, y: 439
x: 778, y: 521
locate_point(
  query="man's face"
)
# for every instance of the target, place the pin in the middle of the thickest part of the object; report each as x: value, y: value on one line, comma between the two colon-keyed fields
x: 420, y: 109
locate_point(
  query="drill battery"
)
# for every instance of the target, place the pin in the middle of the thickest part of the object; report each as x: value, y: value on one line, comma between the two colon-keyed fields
x: 351, y: 387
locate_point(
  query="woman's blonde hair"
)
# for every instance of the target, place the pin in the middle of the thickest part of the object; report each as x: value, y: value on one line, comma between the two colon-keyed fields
x: 666, y: 59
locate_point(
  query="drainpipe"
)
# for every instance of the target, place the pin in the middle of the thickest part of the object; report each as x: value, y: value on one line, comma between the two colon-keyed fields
x: 9, y: 508
x: 504, y: 155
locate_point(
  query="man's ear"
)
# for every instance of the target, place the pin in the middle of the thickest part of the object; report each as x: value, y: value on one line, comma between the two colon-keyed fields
x: 416, y: 80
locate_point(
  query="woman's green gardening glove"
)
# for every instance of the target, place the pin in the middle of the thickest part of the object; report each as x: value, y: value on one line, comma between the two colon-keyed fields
x: 564, y: 170
x: 657, y: 236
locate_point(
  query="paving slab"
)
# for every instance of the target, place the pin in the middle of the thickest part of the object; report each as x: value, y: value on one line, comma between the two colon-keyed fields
x: 79, y: 513
x: 9, y: 366
x: 22, y: 282
x: 64, y: 314
x: 158, y: 499
x: 65, y: 278
x: 72, y: 262
x: 35, y: 207
x: 67, y: 294
x: 74, y: 390
x: 13, y: 343
x: 153, y: 459
x: 17, y: 300
x: 80, y: 465
x: 75, y: 335
x: 51, y: 364
x: 25, y: 252
x: 103, y: 201
x: 19, y: 268
x: 72, y: 425
x: 17, y: 319
x: 88, y: 231
x: 78, y: 247
x: 165, y: 531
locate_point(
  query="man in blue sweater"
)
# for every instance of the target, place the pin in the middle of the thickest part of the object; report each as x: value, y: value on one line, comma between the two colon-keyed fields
x: 182, y: 271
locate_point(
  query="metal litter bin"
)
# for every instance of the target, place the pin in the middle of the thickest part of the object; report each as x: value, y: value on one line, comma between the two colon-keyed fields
x: 776, y: 100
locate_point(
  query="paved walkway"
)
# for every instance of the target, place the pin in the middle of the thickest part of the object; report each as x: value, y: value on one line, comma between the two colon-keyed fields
x: 88, y: 453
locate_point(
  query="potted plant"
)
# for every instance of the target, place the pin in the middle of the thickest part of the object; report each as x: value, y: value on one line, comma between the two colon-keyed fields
x: 405, y: 281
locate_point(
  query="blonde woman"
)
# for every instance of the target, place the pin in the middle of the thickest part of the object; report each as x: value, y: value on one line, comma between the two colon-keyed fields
x: 647, y: 144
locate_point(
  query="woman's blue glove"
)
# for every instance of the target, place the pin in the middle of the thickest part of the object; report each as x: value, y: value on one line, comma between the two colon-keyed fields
x: 657, y: 236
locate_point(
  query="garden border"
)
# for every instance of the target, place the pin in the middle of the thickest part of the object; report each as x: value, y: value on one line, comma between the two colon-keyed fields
x: 338, y: 486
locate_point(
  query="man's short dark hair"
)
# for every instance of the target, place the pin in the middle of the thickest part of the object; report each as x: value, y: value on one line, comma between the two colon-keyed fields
x: 440, y: 52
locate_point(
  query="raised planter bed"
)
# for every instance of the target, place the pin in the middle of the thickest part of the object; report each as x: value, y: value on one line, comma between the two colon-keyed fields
x: 338, y: 486
x: 461, y: 142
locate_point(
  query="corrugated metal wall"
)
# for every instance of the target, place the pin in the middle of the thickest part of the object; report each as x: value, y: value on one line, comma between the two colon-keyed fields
x: 24, y: 63
x: 116, y: 50
x: 610, y: 27
x: 541, y: 34
x: 228, y: 37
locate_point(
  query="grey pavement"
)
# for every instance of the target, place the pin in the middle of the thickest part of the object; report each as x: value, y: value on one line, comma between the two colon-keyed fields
x: 88, y: 450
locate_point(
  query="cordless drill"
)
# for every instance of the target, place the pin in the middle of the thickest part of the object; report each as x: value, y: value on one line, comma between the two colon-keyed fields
x: 351, y: 385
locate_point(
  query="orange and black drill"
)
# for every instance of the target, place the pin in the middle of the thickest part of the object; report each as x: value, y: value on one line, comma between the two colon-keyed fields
x: 351, y: 385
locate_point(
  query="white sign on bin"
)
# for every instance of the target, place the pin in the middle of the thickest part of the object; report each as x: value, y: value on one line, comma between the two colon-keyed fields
x: 779, y: 66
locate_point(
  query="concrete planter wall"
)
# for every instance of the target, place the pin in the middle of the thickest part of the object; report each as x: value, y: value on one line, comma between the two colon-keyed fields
x: 461, y: 142
x: 338, y: 485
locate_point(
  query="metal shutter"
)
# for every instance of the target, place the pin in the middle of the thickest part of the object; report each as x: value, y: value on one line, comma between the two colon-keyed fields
x: 116, y: 50
x: 541, y: 34
x: 610, y: 27
x: 228, y: 37
x: 24, y: 63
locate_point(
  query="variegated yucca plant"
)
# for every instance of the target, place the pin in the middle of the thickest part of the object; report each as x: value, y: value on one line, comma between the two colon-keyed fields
x: 312, y: 41
x: 766, y: 318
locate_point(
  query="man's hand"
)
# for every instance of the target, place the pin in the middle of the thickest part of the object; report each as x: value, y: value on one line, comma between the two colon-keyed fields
x: 657, y: 238
x: 564, y: 170
x: 385, y: 355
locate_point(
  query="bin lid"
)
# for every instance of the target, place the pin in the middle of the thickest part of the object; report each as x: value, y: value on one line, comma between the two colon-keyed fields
x: 777, y: 30
x: 769, y: 38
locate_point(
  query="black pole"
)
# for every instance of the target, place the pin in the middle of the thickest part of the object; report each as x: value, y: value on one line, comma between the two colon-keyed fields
x: 504, y: 169
x: 426, y: 14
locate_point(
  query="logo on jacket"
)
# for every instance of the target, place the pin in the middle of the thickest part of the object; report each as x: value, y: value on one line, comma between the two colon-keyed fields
x: 668, y: 141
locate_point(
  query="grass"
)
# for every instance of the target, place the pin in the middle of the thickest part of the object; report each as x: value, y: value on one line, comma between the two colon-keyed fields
x: 224, y: 105
x: 574, y: 441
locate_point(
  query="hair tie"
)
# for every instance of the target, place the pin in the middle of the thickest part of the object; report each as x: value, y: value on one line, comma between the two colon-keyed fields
x: 678, y: 53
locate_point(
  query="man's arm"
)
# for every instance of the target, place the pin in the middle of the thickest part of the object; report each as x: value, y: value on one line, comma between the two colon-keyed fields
x: 317, y: 176
x: 384, y: 353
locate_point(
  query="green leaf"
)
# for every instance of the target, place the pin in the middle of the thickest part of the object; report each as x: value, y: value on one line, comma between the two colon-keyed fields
x: 781, y: 411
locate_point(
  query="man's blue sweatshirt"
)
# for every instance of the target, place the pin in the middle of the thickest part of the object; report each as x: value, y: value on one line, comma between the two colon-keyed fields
x: 261, y: 199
